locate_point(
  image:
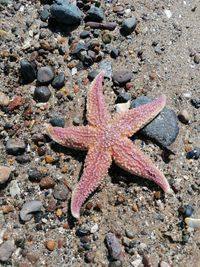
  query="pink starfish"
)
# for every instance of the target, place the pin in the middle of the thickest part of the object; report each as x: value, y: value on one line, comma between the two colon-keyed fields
x: 106, y: 138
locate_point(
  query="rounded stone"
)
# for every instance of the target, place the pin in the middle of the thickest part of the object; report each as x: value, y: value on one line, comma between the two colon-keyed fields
x: 194, y: 153
x: 34, y: 175
x: 114, y: 53
x: 26, y: 213
x: 4, y: 100
x: 4, y: 174
x: 164, y: 128
x: 59, y: 81
x: 28, y: 71
x: 45, y: 75
x: 184, y: 116
x: 44, y: 15
x: 121, y: 76
x: 51, y: 245
x: 60, y: 192
x: 6, y: 250
x: 15, y: 147
x: 42, y: 94
x: 129, y: 25
x: 57, y: 121
x: 95, y: 14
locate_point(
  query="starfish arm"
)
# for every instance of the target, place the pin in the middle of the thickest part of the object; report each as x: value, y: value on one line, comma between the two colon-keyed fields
x: 129, y: 122
x: 95, y: 168
x: 79, y: 137
x: 128, y: 157
x: 97, y: 113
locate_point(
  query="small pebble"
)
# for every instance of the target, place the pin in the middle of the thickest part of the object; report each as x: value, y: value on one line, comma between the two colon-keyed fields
x: 28, y: 71
x: 34, y: 175
x: 89, y: 257
x: 92, y: 74
x: 47, y: 182
x: 45, y: 75
x: 59, y: 81
x: 121, y: 77
x: 6, y: 250
x: 44, y: 15
x: 122, y: 107
x: 193, y: 154
x: 60, y: 192
x: 4, y: 174
x: 42, y: 94
x: 184, y: 116
x: 196, y: 102
x: 114, y: 52
x: 58, y: 121
x: 106, y: 37
x: 4, y: 100
x: 122, y: 97
x: 15, y: 147
x: 51, y: 245
x: 116, y: 263
x: 196, y: 59
x: 193, y: 223
x: 84, y: 34
x: 114, y: 246
x: 95, y: 14
x: 15, y: 103
x: 29, y: 207
x: 129, y: 25
x: 14, y: 189
x: 164, y: 264
x: 187, y: 210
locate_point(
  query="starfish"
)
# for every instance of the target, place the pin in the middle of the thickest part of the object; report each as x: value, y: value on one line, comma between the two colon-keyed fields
x: 107, y: 139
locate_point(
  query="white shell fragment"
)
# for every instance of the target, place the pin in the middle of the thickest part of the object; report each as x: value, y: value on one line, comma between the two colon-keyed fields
x: 193, y: 223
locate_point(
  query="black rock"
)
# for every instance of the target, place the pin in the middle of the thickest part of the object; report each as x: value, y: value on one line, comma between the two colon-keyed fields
x: 121, y: 77
x: 45, y: 75
x: 57, y: 121
x: 114, y: 53
x: 193, y: 154
x: 44, y: 15
x: 196, y: 102
x: 87, y: 61
x: 92, y: 74
x: 15, y: 147
x: 22, y: 159
x: 84, y: 34
x: 122, y: 97
x: 34, y: 175
x: 28, y: 71
x: 65, y: 12
x: 187, y: 211
x: 95, y: 14
x: 164, y: 128
x: 42, y: 94
x: 129, y: 25
x: 59, y: 81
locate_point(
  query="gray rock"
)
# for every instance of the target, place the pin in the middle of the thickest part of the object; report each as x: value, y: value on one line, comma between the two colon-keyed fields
x: 164, y: 128
x: 26, y: 213
x: 6, y: 250
x: 95, y: 14
x: 4, y: 174
x: 65, y: 12
x: 15, y: 147
x: 129, y: 25
x: 121, y: 77
x: 60, y: 192
x: 59, y: 81
x: 114, y: 246
x: 45, y: 75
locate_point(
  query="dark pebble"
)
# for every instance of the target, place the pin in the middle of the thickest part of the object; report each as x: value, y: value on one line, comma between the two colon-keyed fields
x: 60, y: 192
x: 65, y: 12
x: 59, y: 81
x: 87, y: 61
x: 129, y: 25
x: 197, y: 59
x: 15, y: 147
x: 84, y: 34
x: 164, y: 128
x: 114, y: 246
x: 95, y: 14
x: 187, y: 210
x: 121, y: 77
x: 45, y: 75
x: 117, y: 263
x: 83, y: 230
x: 57, y: 121
x: 44, y: 15
x: 114, y: 53
x: 89, y: 257
x: 42, y: 94
x: 22, y: 159
x: 193, y: 154
x: 92, y: 74
x: 196, y: 102
x: 123, y: 97
x: 34, y: 175
x: 28, y: 71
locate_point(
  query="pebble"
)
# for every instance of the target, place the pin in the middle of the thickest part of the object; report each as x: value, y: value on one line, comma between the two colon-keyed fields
x: 195, y: 102
x: 121, y: 77
x: 44, y: 15
x: 45, y: 75
x: 29, y: 207
x: 194, y: 153
x: 4, y: 174
x: 4, y: 100
x: 84, y: 34
x: 114, y: 53
x: 164, y: 128
x: 100, y: 25
x: 94, y: 228
x: 122, y: 107
x: 92, y: 74
x: 114, y: 246
x: 59, y: 81
x: 15, y: 103
x: 47, y: 182
x: 34, y: 175
x: 58, y: 121
x: 14, y: 188
x: 51, y: 245
x: 129, y: 233
x: 15, y: 147
x: 187, y: 210
x: 95, y: 14
x: 116, y: 263
x: 196, y: 59
x: 76, y: 120
x: 65, y: 12
x: 129, y: 25
x: 164, y: 264
x: 193, y: 223
x: 89, y: 257
x: 6, y: 250
x: 42, y: 94
x: 27, y: 70
x: 122, y: 97
x: 184, y: 116
x: 106, y: 37
x: 60, y: 192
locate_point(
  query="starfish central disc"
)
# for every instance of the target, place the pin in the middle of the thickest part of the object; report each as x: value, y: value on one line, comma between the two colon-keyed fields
x: 108, y: 136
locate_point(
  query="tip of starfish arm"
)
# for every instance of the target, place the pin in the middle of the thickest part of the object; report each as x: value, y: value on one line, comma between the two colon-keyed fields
x: 75, y: 211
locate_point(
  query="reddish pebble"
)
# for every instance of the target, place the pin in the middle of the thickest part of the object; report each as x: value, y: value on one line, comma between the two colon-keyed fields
x: 51, y: 245
x: 15, y: 103
x: 47, y: 182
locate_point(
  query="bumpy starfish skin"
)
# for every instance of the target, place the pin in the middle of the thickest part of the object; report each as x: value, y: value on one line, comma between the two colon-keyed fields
x: 106, y: 139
